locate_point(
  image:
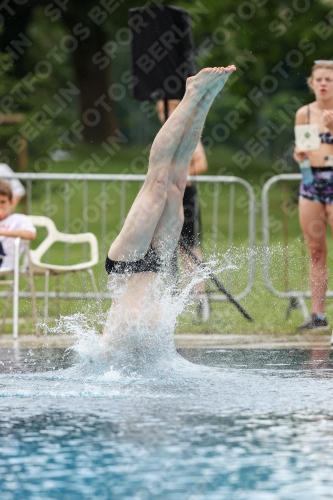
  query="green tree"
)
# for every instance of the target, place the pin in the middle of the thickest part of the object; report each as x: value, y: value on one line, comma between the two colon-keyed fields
x: 273, y: 45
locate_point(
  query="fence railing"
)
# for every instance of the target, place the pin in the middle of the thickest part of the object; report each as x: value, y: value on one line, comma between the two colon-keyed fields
x: 290, y: 293
x: 86, y: 202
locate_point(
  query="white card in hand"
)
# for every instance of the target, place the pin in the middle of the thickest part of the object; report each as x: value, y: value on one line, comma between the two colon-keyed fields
x: 307, y: 137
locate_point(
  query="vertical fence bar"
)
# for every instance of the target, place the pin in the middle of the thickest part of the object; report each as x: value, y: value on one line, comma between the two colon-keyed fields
x: 66, y: 229
x: 215, y: 212
x: 85, y: 228
x: 122, y: 203
x: 47, y: 198
x: 29, y: 190
x: 67, y: 214
x: 231, y: 215
x: 103, y: 221
x: 231, y: 227
x: 17, y: 242
x: 47, y: 209
x: 85, y: 205
x: 285, y: 236
x: 28, y: 203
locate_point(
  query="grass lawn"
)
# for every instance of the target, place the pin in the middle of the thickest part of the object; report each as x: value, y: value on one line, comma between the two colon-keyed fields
x: 98, y: 208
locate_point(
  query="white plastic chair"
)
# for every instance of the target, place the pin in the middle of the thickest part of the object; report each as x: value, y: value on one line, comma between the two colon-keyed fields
x: 54, y: 236
x: 25, y: 270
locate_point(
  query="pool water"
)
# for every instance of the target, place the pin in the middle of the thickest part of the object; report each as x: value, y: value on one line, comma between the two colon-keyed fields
x: 254, y: 424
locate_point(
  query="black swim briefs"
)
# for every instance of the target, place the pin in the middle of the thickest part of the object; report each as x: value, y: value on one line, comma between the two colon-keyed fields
x: 150, y: 262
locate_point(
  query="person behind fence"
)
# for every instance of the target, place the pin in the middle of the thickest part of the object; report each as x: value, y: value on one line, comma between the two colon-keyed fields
x: 17, y: 187
x: 191, y: 230
x: 152, y: 228
x: 316, y: 189
x: 11, y: 226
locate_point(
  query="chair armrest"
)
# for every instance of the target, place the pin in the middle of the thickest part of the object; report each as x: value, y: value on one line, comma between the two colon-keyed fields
x: 70, y: 238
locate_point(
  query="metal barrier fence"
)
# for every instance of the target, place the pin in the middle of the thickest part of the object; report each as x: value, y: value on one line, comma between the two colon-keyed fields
x: 291, y: 294
x: 65, y: 192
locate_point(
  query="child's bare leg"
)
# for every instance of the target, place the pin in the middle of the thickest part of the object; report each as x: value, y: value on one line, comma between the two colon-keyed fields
x: 169, y: 226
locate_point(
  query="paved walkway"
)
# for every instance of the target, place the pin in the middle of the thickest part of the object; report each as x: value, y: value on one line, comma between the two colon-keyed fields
x: 195, y: 341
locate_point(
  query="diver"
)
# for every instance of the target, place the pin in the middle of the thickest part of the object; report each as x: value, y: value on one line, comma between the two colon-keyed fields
x: 152, y: 228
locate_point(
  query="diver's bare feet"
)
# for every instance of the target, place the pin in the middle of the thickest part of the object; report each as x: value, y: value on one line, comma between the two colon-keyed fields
x: 202, y: 80
x: 218, y: 84
x: 226, y: 72
x: 209, y: 78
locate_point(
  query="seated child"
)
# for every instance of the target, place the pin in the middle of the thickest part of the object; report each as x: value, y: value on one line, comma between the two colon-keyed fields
x: 11, y: 226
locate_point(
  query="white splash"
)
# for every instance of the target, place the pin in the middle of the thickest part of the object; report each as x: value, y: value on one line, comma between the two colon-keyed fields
x: 136, y: 341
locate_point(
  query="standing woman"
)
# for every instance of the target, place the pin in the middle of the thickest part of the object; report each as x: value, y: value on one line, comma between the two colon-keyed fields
x: 316, y: 190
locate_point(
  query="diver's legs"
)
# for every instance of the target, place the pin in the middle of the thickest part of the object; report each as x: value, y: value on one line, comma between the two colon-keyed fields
x: 137, y: 233
x: 169, y: 226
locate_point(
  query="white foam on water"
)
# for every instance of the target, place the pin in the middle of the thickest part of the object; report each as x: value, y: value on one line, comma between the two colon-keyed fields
x: 141, y: 352
x: 138, y: 342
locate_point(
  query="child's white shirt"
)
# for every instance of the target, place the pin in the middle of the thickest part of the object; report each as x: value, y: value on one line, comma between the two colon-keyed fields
x: 13, y: 222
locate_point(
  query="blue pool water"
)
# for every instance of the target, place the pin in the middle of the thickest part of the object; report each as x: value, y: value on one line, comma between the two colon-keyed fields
x: 253, y: 424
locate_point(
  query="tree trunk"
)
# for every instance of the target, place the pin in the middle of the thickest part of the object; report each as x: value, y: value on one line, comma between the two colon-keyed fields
x: 93, y: 80
x: 13, y: 39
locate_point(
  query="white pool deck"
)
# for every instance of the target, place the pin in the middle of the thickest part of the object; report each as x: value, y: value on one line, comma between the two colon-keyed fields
x: 195, y: 341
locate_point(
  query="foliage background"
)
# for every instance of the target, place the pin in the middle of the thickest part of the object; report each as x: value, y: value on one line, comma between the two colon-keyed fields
x: 261, y: 34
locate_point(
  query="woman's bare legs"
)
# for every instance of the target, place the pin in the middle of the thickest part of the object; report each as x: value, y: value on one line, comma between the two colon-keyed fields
x: 313, y: 220
x: 169, y: 226
x: 140, y: 224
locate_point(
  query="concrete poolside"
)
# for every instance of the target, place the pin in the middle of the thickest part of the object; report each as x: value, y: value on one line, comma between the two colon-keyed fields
x: 194, y: 341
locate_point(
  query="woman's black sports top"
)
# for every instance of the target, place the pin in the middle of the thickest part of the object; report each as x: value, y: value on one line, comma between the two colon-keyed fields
x: 325, y: 137
x: 150, y: 262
